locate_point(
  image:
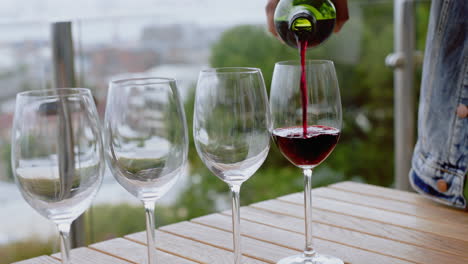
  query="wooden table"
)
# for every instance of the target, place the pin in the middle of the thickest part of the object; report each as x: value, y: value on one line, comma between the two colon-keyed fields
x: 359, y: 223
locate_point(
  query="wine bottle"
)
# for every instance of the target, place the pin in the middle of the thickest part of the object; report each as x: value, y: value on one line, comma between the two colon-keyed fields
x: 304, y: 21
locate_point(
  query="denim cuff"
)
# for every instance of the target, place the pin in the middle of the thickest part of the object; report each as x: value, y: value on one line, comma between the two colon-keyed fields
x: 425, y: 176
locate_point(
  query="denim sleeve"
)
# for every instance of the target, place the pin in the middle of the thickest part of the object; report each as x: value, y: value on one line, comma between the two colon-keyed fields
x: 440, y: 158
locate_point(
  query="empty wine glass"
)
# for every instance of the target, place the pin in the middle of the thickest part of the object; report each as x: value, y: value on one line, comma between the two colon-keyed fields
x: 57, y: 155
x: 231, y: 129
x: 146, y: 141
x: 306, y: 128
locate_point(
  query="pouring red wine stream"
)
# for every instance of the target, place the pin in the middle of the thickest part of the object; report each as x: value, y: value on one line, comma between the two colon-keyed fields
x: 302, y: 50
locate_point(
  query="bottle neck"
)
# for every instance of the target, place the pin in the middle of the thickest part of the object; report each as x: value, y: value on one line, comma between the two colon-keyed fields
x: 302, y: 22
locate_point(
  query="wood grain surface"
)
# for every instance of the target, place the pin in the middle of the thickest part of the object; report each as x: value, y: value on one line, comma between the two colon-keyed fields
x: 356, y: 222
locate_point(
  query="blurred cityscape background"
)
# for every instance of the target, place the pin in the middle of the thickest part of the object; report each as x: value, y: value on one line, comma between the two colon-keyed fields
x: 177, y: 39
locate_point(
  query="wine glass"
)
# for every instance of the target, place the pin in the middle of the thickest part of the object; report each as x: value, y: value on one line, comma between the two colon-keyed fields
x: 57, y: 155
x: 306, y: 129
x: 231, y: 129
x: 146, y: 141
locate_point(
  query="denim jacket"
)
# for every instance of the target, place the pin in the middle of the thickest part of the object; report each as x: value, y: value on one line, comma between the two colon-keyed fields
x: 440, y: 158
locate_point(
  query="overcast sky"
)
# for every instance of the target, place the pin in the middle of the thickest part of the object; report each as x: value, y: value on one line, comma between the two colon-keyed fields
x: 199, y: 11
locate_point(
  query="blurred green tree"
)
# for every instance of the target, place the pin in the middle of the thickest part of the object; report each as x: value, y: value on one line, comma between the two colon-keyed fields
x: 250, y: 46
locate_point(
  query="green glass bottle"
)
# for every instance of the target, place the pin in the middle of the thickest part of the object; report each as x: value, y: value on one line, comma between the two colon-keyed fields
x: 305, y: 20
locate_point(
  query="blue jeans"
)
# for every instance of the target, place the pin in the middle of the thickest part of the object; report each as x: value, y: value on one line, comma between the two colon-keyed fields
x: 440, y: 159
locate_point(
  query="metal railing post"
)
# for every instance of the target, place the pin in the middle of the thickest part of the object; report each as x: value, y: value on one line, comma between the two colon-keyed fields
x: 403, y: 62
x: 64, y: 73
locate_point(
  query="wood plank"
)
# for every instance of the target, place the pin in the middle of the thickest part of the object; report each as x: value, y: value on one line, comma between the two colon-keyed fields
x: 388, y: 193
x: 407, y: 221
x: 296, y: 241
x: 431, y: 213
x: 358, y: 222
x: 397, y: 233
x: 135, y: 252
x: 39, y: 260
x: 410, y: 253
x: 410, y: 236
x: 89, y: 256
x: 250, y: 247
x: 191, y: 249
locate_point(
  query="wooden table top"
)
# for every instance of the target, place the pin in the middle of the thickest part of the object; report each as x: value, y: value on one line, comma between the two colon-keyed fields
x: 357, y: 222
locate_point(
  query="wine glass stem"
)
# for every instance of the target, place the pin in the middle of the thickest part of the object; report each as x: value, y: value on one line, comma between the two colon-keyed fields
x: 309, y: 250
x: 235, y: 190
x: 64, y: 231
x: 150, y: 232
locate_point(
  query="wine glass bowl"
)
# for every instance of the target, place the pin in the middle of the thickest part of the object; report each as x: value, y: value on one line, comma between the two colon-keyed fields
x: 306, y: 125
x: 57, y: 154
x: 323, y: 112
x: 146, y: 140
x: 231, y: 123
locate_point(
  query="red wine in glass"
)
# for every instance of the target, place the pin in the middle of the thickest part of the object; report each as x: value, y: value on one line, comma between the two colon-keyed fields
x: 308, y: 151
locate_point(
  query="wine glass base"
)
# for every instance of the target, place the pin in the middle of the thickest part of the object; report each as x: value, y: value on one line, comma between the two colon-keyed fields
x: 316, y: 259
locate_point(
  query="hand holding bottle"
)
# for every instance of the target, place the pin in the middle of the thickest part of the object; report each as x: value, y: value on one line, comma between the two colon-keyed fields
x: 341, y: 7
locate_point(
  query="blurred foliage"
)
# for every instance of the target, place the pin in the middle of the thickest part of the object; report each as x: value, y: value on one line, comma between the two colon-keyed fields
x: 126, y: 219
x: 5, y: 157
x: 25, y: 249
x: 250, y: 46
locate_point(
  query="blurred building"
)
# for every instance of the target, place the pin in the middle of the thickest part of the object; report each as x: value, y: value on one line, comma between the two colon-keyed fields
x: 179, y: 43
